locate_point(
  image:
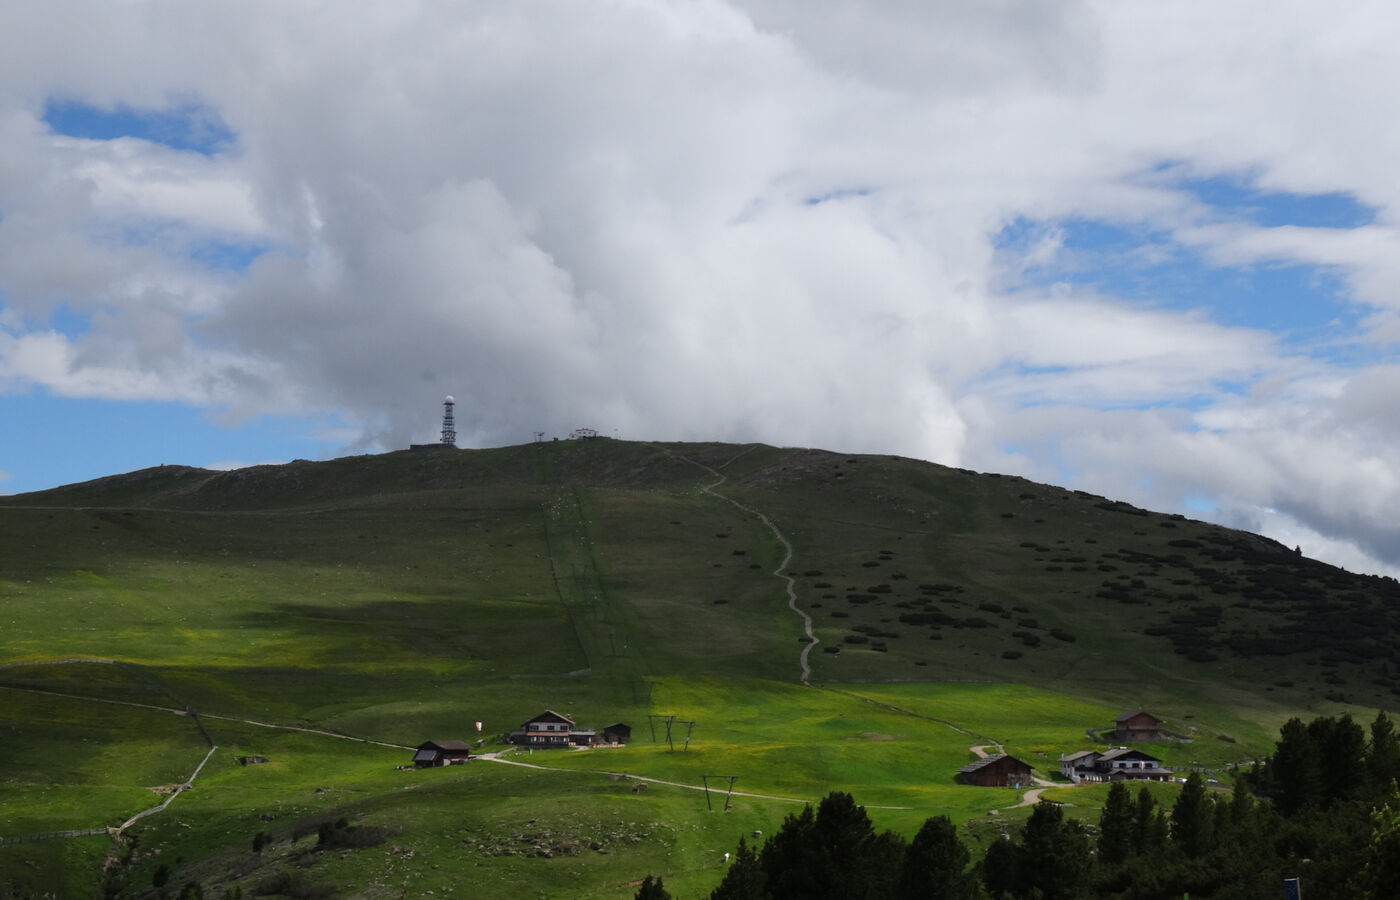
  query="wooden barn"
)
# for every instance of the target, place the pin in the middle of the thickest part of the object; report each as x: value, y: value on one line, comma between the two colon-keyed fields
x: 440, y: 753
x: 1137, y: 725
x: 997, y: 770
x: 617, y: 733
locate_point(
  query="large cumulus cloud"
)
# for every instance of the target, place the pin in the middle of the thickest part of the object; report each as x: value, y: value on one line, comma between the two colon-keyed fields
x: 760, y: 220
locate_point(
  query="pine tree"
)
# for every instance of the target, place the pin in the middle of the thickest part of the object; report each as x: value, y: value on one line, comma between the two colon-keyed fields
x: 1001, y: 869
x: 652, y: 889
x: 1341, y: 743
x: 1192, y: 818
x: 1116, y: 825
x: 833, y: 853
x: 935, y: 864
x: 1054, y: 860
x: 1160, y: 829
x: 790, y: 860
x: 1294, y: 769
x: 744, y: 880
x: 1144, y: 834
x: 1383, y: 755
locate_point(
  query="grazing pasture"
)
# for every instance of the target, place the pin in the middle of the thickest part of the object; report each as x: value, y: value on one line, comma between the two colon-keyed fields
x: 328, y: 616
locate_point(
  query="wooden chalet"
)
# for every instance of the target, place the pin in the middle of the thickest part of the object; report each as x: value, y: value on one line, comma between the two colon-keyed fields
x: 617, y: 733
x: 550, y: 729
x: 440, y: 753
x: 1079, y: 766
x: 997, y: 770
x: 1119, y: 764
x: 1131, y: 765
x: 1137, y: 725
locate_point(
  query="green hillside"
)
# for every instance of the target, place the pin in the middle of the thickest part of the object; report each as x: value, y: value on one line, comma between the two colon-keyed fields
x: 403, y: 597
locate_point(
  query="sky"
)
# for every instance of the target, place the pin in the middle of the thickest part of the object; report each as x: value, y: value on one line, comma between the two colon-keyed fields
x: 1147, y: 250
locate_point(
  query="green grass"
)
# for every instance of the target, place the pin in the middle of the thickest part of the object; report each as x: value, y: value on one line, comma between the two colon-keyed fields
x: 802, y: 743
x: 73, y: 764
x: 403, y: 597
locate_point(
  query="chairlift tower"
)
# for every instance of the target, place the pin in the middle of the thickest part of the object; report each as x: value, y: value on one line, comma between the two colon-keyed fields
x: 449, y: 427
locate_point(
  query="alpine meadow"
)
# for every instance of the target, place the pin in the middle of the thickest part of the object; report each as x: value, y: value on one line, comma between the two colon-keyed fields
x: 227, y: 684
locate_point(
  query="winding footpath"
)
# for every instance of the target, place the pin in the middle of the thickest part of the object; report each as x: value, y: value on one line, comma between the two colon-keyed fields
x: 1030, y: 799
x: 788, y: 581
x: 497, y: 758
x: 188, y: 783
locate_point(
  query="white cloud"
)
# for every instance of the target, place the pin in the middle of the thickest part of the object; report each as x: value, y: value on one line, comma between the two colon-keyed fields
x: 751, y: 220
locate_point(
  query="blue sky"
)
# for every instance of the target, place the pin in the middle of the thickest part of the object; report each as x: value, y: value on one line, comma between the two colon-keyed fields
x: 1128, y: 248
x: 191, y: 126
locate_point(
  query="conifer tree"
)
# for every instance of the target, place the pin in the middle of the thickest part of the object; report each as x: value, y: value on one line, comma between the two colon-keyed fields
x: 1116, y: 825
x: 1341, y: 753
x: 1383, y: 754
x: 1001, y: 869
x: 744, y: 880
x: 1144, y: 833
x: 833, y: 853
x: 1294, y: 769
x: 1054, y: 860
x: 935, y: 864
x: 1192, y: 818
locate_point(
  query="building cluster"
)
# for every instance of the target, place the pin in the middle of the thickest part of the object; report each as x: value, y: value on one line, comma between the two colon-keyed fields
x: 1120, y: 763
x: 547, y: 730
x: 552, y: 729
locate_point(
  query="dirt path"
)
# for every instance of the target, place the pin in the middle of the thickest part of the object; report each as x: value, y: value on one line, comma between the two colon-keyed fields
x: 1031, y: 799
x: 188, y: 783
x: 494, y: 757
x: 788, y: 581
x: 184, y: 712
x: 329, y: 734
x: 1032, y: 796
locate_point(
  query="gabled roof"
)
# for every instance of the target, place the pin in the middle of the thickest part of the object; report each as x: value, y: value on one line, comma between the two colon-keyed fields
x: 550, y: 715
x: 442, y: 745
x: 1134, y: 713
x: 1079, y: 755
x: 1128, y: 753
x: 988, y: 760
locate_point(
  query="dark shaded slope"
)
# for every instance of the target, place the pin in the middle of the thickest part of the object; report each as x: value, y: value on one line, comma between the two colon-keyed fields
x: 911, y: 571
x: 914, y: 571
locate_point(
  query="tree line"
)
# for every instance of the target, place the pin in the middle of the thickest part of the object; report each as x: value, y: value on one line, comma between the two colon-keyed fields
x: 1323, y: 807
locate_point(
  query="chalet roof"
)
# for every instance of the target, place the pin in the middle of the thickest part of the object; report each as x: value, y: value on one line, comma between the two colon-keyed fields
x: 1134, y: 713
x: 1079, y: 755
x: 550, y: 715
x: 988, y: 760
x: 1128, y: 753
x: 443, y: 745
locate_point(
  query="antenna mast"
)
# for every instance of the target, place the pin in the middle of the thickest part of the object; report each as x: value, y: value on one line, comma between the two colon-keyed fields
x: 449, y: 427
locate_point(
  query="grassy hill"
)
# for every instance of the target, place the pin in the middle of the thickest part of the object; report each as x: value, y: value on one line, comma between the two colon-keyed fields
x: 403, y: 597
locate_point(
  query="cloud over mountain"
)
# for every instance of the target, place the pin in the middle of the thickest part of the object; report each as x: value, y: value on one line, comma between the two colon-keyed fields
x: 1142, y: 249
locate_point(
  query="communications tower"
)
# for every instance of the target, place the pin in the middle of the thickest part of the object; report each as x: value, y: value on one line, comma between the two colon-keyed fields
x: 449, y: 427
